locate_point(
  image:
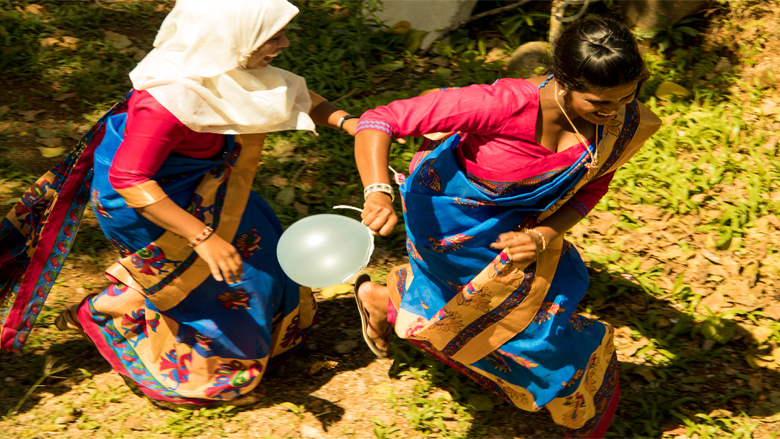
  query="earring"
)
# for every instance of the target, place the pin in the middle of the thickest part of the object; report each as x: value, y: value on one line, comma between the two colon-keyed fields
x: 562, y: 93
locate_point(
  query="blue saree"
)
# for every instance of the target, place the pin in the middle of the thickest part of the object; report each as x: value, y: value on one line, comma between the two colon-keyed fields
x: 511, y: 327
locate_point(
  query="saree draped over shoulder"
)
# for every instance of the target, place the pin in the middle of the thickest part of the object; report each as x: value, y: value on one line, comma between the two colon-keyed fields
x: 511, y: 327
x: 165, y: 323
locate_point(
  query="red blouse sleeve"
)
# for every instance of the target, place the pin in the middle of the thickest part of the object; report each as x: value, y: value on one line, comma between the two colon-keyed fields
x: 589, y: 195
x: 151, y: 133
x: 478, y: 109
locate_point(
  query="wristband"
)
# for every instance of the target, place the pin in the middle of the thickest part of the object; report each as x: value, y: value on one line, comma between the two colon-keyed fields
x: 343, y: 119
x: 202, y: 236
x: 379, y: 187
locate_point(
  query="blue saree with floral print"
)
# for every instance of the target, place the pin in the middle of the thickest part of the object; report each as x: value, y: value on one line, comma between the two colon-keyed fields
x: 511, y: 327
x: 166, y: 324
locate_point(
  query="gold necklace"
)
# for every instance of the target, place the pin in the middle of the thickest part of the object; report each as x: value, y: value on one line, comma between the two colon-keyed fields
x: 594, y: 160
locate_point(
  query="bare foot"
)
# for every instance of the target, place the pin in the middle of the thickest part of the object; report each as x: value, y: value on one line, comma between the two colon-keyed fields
x: 375, y: 299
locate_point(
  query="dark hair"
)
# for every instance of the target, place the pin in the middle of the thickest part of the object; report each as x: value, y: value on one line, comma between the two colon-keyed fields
x: 597, y: 53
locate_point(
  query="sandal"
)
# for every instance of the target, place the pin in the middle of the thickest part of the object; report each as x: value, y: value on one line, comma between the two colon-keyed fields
x: 67, y: 321
x: 366, y: 323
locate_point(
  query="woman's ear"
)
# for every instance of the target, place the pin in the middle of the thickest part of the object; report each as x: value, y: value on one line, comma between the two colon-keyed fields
x: 561, y: 90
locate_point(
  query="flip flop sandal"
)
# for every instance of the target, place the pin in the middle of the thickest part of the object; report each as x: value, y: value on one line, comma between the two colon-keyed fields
x: 67, y: 321
x: 365, y: 321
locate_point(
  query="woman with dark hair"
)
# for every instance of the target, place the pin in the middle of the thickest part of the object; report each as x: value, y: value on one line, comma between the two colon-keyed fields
x: 492, y: 286
x: 199, y: 308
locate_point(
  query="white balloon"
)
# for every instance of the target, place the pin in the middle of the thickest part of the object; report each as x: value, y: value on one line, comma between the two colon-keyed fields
x: 324, y: 250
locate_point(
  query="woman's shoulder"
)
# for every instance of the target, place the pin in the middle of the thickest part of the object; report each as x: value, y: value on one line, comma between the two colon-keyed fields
x: 143, y: 105
x: 525, y: 86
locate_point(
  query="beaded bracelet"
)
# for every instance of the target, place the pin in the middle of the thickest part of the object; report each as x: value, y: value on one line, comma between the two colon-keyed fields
x: 202, y: 236
x: 544, y: 240
x: 379, y: 187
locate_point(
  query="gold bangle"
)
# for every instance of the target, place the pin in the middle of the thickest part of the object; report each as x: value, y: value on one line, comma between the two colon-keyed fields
x: 202, y: 236
x: 544, y: 240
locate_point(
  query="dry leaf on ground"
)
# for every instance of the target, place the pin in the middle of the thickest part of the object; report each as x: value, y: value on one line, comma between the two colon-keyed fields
x: 29, y: 116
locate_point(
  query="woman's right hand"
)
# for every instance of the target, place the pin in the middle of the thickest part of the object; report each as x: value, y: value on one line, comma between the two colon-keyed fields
x: 378, y: 213
x: 223, y: 259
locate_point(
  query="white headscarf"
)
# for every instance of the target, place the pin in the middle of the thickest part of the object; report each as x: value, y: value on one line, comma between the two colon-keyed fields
x: 196, y: 68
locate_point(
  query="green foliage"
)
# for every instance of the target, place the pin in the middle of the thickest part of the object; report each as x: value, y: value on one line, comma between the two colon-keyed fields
x: 669, y: 33
x: 64, y: 44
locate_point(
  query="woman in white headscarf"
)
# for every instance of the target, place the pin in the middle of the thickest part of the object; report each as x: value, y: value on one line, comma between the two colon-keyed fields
x: 200, y: 308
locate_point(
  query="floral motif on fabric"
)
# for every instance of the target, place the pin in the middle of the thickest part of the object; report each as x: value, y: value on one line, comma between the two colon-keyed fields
x: 576, y: 409
x: 478, y: 299
x: 116, y: 290
x: 448, y: 321
x: 21, y: 246
x: 151, y: 260
x: 203, y: 341
x: 403, y: 202
x: 499, y: 363
x: 528, y: 364
x: 248, y: 243
x: 428, y: 176
x: 578, y: 322
x: 416, y: 326
x: 577, y: 375
x: 177, y: 365
x: 601, y: 401
x: 233, y: 376
x: 630, y: 125
x: 234, y: 299
x: 547, y: 311
x: 293, y: 333
x: 448, y: 244
x: 98, y: 207
x: 567, y: 246
x: 136, y: 323
x: 125, y: 353
x: 498, y: 313
x: 400, y: 284
x: 412, y: 250
x: 197, y: 209
x: 500, y: 188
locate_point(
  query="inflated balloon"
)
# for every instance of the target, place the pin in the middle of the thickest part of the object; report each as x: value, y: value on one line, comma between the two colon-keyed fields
x: 324, y: 250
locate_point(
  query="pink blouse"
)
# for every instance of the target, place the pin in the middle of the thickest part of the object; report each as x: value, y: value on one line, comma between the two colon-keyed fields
x: 499, y: 126
x: 152, y: 133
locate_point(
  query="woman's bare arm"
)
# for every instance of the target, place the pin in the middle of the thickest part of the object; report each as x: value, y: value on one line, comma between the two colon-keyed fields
x: 372, y: 153
x: 328, y: 115
x: 223, y: 259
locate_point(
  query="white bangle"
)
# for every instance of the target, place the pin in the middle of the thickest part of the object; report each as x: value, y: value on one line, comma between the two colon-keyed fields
x: 345, y: 118
x: 379, y: 187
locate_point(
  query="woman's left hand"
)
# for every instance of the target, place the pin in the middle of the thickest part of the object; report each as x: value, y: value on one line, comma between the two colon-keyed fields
x: 522, y: 247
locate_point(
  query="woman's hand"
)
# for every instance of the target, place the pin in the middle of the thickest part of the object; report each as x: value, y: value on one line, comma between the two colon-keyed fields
x: 522, y: 247
x: 223, y: 259
x: 378, y: 213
